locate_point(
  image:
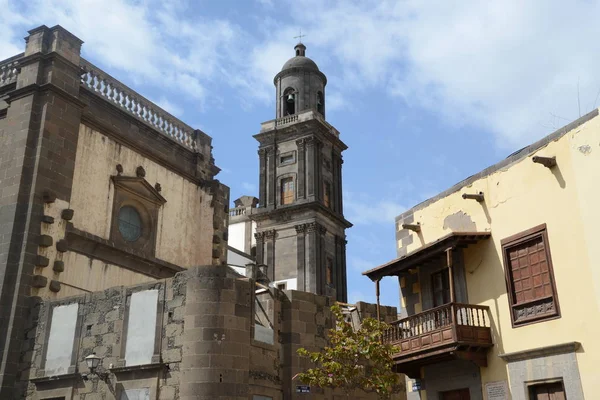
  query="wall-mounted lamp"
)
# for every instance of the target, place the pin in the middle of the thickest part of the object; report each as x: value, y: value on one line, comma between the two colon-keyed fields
x: 547, y: 162
x: 93, y: 363
x: 478, y: 196
x: 412, y: 227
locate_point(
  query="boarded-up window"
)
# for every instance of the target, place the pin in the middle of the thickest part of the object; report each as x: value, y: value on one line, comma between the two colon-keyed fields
x: 327, y: 194
x: 141, y: 327
x: 60, y: 341
x: 287, y: 191
x: 529, y: 276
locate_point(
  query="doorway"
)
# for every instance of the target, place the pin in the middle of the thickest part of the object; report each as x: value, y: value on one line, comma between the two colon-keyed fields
x: 548, y: 391
x: 458, y: 394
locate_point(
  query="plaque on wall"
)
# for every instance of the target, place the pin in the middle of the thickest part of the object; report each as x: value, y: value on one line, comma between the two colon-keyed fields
x: 496, y: 390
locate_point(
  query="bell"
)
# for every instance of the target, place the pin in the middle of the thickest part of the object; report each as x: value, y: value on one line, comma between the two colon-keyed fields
x: 290, y: 98
x: 319, y: 101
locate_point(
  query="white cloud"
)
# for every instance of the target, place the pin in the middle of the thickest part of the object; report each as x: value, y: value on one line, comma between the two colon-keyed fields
x: 504, y: 66
x: 363, y: 209
x: 170, y: 107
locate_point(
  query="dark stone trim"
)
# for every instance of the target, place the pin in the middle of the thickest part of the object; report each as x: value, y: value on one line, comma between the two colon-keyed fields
x: 314, y: 127
x: 260, y: 214
x: 569, y: 347
x: 135, y: 368
x: 46, y: 87
x: 105, y: 250
x: 511, y: 159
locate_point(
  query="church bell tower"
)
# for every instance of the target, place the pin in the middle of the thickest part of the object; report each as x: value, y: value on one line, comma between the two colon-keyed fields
x: 300, y: 232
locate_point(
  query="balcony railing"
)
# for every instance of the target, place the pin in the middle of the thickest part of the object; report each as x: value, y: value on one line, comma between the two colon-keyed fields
x: 451, y: 328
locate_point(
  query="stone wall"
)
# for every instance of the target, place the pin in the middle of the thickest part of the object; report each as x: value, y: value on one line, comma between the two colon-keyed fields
x: 203, y: 345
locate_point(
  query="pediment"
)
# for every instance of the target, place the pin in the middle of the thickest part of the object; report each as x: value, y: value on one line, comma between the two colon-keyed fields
x: 139, y: 186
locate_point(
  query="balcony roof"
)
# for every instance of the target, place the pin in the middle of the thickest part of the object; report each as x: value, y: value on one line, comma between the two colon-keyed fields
x: 433, y: 249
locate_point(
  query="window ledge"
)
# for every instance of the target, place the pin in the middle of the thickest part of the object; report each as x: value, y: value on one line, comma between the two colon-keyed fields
x: 54, y: 378
x: 569, y: 347
x: 141, y: 367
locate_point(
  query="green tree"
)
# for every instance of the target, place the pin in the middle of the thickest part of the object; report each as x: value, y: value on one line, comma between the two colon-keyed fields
x: 354, y: 359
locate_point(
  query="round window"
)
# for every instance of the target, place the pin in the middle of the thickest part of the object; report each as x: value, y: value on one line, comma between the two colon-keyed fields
x: 130, y: 223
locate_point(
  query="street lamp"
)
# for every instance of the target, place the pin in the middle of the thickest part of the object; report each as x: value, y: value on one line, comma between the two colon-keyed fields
x: 93, y: 362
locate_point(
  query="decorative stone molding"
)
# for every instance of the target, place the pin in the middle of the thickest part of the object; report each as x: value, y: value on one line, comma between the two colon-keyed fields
x: 67, y: 214
x: 315, y: 227
x: 49, y: 196
x: 301, y: 229
x: 59, y: 266
x: 259, y: 236
x: 39, y: 281
x: 270, y: 235
x: 62, y: 246
x: 54, y: 286
x: 569, y: 347
x: 48, y: 219
x: 45, y: 241
x: 41, y: 261
x: 140, y: 172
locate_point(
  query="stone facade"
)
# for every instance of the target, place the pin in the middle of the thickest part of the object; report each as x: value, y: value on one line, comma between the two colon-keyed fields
x: 76, y: 146
x: 204, y: 346
x: 300, y: 222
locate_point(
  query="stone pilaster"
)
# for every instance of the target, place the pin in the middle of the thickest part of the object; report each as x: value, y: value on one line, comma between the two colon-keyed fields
x: 301, y: 181
x: 272, y: 178
x: 321, y: 267
x: 340, y: 203
x: 38, y: 155
x: 310, y: 168
x: 301, y: 256
x: 260, y: 247
x: 270, y: 240
x: 262, y: 189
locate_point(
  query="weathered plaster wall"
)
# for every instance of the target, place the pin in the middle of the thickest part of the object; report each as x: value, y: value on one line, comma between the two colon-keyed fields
x: 185, y: 221
x: 518, y: 197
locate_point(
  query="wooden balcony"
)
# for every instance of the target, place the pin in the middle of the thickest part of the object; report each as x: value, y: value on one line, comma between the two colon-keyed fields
x: 452, y: 331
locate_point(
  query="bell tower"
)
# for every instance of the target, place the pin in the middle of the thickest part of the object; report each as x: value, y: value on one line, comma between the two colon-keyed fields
x: 300, y: 233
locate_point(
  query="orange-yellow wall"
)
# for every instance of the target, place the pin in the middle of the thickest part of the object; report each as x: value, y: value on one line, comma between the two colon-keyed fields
x: 519, y: 197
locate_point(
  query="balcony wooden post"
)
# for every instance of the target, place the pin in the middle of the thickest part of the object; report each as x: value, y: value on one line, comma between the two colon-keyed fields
x: 377, y: 295
x: 450, y: 273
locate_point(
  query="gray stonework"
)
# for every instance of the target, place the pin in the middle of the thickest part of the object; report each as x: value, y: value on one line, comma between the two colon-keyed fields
x: 42, y: 107
x: 300, y: 239
x: 205, y: 346
x: 548, y: 364
x: 404, y: 237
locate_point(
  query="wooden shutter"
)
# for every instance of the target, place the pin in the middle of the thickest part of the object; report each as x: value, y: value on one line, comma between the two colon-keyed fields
x: 529, y: 276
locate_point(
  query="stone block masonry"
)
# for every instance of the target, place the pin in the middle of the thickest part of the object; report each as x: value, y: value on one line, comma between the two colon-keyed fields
x: 203, y: 346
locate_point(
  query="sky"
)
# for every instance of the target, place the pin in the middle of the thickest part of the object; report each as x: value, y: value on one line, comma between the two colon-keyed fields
x: 424, y: 93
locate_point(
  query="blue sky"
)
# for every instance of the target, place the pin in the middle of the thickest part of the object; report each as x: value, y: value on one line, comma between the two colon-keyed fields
x: 424, y: 93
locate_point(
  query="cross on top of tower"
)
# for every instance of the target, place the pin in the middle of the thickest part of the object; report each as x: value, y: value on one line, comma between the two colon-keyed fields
x: 299, y: 37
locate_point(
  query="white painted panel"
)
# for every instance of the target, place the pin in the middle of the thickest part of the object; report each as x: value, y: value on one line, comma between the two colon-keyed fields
x: 253, y: 239
x: 60, y: 341
x: 236, y: 259
x: 258, y: 397
x: 141, y: 328
x: 136, y: 394
x: 290, y: 284
x: 263, y: 334
x: 236, y: 235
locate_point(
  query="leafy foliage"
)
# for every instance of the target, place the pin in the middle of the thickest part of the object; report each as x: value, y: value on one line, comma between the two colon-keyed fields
x: 354, y: 359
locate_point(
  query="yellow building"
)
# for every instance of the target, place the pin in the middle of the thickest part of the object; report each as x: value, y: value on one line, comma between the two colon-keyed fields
x: 500, y: 278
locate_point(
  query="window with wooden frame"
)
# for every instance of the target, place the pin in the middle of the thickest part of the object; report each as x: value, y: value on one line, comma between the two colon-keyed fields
x: 530, y: 281
x: 440, y: 287
x: 329, y: 271
x: 287, y: 190
x: 327, y: 194
x: 547, y: 391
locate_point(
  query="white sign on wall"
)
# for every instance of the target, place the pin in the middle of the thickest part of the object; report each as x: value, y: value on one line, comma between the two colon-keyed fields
x: 496, y: 390
x: 60, y: 341
x: 141, y: 328
x: 136, y: 394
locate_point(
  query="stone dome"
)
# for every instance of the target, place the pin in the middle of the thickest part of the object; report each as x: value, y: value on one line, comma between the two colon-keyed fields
x: 300, y: 60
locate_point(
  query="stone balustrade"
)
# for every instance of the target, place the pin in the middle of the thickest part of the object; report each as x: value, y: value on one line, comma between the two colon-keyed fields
x: 128, y: 100
x: 9, y: 69
x: 234, y: 212
x: 300, y: 117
